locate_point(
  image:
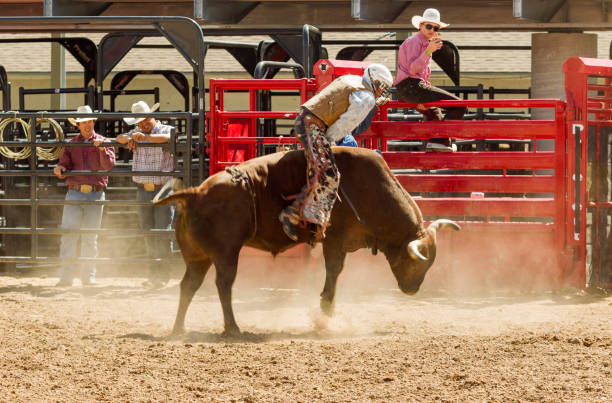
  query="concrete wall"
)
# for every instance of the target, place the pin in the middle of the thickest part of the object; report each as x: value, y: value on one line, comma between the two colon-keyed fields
x: 548, y: 53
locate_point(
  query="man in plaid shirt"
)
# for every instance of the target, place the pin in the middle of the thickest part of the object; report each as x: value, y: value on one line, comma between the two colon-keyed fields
x: 151, y: 158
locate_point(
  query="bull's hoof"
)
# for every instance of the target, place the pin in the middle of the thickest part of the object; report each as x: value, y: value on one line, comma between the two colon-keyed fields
x: 233, y: 332
x: 327, y: 307
x: 177, y: 332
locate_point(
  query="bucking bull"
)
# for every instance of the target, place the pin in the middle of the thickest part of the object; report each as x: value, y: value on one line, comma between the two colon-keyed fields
x: 232, y: 209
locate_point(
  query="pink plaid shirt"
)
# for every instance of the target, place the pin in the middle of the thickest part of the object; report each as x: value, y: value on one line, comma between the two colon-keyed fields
x: 412, y: 61
x: 152, y: 158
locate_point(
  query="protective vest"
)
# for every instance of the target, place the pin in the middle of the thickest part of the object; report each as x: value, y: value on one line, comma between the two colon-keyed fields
x: 333, y: 100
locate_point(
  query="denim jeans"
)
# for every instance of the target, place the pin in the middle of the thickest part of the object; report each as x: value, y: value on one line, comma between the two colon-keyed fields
x: 416, y: 91
x: 80, y: 217
x: 156, y: 217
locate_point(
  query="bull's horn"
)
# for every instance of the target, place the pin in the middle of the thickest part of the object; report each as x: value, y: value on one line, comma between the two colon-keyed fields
x: 444, y: 223
x: 413, y: 250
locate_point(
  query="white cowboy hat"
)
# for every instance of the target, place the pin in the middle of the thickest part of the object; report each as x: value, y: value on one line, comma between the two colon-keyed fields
x: 82, y: 109
x: 140, y: 107
x: 430, y: 15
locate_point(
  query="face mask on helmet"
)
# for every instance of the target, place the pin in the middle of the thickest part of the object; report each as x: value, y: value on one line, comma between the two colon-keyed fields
x: 381, y: 79
x: 385, y: 95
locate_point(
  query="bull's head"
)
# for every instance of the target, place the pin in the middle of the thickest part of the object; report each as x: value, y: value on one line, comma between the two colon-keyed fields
x: 417, y: 257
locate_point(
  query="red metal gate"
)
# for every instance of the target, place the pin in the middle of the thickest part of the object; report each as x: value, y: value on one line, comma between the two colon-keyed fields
x: 511, y: 204
x: 516, y: 207
x: 589, y: 121
x: 232, y: 131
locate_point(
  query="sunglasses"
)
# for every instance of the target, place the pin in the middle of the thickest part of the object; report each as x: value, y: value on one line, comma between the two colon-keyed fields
x: 434, y: 27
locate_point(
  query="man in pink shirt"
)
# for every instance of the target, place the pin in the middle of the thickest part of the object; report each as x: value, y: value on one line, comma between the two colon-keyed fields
x: 83, y: 188
x: 414, y: 69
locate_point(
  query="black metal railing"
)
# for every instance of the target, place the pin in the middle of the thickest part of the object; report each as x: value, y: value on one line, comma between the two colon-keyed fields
x: 179, y: 143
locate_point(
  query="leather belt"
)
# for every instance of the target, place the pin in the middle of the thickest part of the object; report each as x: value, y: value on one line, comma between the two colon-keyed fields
x: 149, y: 187
x: 86, y: 188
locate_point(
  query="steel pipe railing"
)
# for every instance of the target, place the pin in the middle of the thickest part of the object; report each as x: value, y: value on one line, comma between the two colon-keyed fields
x: 34, y: 231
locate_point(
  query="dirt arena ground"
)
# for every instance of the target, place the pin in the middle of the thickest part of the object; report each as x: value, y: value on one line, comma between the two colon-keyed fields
x: 108, y: 342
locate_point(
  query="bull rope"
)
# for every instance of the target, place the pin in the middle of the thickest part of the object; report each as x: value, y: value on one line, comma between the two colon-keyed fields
x: 240, y: 176
x: 344, y: 195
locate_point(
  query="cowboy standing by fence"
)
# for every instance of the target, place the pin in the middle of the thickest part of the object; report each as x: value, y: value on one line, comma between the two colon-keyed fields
x: 83, y: 188
x: 414, y: 69
x: 151, y: 159
x: 345, y: 104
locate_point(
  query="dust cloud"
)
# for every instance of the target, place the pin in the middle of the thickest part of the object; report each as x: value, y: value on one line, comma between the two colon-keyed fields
x: 281, y: 294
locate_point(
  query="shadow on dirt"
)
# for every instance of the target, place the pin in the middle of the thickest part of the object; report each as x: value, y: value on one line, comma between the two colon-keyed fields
x: 249, y: 337
x: 96, y: 291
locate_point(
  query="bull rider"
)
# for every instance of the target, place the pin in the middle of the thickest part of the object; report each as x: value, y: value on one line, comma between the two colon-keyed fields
x: 347, y: 103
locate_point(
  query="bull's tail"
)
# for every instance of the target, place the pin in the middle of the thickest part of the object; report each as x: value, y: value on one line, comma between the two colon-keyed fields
x: 178, y: 195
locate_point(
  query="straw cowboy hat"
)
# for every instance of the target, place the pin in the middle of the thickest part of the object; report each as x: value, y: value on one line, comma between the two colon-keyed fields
x: 430, y: 15
x: 140, y: 107
x: 82, y: 109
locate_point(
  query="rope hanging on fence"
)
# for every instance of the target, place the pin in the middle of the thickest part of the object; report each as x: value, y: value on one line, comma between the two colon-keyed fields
x: 50, y: 153
x: 44, y: 153
x: 23, y: 152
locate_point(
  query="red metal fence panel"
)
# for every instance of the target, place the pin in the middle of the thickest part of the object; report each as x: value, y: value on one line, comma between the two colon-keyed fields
x: 589, y: 121
x: 517, y: 208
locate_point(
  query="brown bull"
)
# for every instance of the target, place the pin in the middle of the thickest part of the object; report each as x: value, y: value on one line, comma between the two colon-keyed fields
x: 227, y: 212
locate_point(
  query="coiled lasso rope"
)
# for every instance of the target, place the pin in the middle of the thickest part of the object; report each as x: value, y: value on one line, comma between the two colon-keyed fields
x: 45, y: 153
x: 50, y: 153
x: 23, y: 152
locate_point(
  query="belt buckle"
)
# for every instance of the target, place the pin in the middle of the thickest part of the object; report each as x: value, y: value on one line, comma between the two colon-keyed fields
x: 149, y: 187
x: 86, y: 189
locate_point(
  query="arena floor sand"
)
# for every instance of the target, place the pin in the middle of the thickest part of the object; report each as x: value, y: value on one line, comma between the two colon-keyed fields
x: 108, y: 343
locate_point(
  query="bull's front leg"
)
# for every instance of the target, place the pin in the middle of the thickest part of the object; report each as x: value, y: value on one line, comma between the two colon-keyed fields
x: 334, y: 262
x: 226, y: 274
x: 192, y: 280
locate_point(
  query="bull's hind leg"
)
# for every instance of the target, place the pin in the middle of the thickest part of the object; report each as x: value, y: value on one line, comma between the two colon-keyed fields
x: 334, y: 262
x: 226, y: 274
x: 192, y: 280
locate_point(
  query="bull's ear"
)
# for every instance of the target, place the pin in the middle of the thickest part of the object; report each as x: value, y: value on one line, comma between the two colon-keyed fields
x: 414, y: 250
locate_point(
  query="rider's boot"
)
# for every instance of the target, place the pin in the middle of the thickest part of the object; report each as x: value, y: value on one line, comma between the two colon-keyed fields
x: 290, y: 218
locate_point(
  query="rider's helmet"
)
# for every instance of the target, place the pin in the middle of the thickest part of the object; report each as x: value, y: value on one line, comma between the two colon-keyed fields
x: 381, y: 79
